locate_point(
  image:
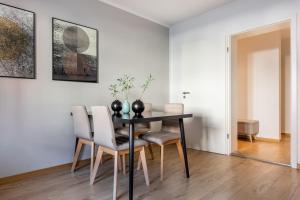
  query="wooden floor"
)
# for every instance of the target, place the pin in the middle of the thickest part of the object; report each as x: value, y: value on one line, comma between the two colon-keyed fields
x: 212, y: 177
x: 270, y: 151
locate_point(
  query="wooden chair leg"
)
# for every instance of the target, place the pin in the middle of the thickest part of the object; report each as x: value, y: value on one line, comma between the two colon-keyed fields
x: 92, y: 158
x: 124, y: 163
x: 250, y: 137
x: 96, y: 166
x: 144, y: 163
x: 180, y: 152
x: 101, y: 161
x: 116, y: 158
x: 139, y: 163
x: 161, y: 162
x: 119, y: 163
x: 150, y: 151
x: 76, y: 156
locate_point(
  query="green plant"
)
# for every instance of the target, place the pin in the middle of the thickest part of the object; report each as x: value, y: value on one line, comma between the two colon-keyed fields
x: 126, y: 83
x: 146, y: 84
x: 114, y: 91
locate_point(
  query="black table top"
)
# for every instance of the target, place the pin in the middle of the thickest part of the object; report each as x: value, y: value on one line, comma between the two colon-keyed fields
x: 147, y: 117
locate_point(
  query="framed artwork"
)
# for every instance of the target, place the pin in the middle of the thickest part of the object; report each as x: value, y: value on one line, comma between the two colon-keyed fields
x: 17, y: 42
x: 75, y: 52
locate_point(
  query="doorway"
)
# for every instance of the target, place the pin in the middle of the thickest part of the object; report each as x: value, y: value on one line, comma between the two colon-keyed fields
x: 261, y: 93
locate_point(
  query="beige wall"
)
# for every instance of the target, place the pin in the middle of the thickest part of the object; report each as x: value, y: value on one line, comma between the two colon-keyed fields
x: 285, y: 82
x: 258, y: 82
x: 274, y: 48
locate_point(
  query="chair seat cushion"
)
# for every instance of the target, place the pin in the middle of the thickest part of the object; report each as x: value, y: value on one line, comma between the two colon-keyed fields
x: 159, y: 137
x: 123, y: 143
x: 91, y: 137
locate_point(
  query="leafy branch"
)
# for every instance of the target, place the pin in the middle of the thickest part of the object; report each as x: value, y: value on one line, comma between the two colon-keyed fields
x: 126, y: 83
x: 146, y: 84
x: 114, y: 91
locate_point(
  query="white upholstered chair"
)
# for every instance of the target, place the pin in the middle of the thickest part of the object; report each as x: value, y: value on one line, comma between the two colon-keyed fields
x: 83, y: 132
x: 104, y: 136
x: 169, y: 134
x: 140, y: 128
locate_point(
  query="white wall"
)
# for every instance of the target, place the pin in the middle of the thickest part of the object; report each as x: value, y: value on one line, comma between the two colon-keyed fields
x: 35, y: 122
x: 258, y: 95
x: 203, y: 38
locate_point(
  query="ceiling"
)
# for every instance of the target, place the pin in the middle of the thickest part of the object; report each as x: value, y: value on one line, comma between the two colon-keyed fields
x: 166, y: 12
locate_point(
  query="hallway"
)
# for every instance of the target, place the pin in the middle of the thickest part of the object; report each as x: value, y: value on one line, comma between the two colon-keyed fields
x: 278, y: 152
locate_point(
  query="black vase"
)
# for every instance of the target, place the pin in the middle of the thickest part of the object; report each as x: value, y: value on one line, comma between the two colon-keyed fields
x: 138, y: 107
x: 116, y: 106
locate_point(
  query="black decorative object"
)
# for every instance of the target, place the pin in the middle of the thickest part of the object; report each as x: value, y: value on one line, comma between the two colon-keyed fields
x: 74, y: 51
x: 116, y: 115
x: 17, y: 39
x: 138, y: 116
x: 138, y: 107
x: 116, y: 106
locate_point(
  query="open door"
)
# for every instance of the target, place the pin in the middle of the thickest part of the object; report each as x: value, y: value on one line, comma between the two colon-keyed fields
x: 260, y: 90
x: 198, y: 93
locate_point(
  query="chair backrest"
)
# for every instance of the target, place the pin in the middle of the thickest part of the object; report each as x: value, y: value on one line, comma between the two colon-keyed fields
x: 148, y: 107
x: 177, y: 108
x: 104, y: 134
x: 172, y: 125
x: 81, y: 123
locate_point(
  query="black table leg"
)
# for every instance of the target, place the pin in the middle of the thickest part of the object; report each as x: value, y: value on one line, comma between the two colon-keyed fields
x: 76, y: 143
x: 131, y: 159
x: 184, y: 148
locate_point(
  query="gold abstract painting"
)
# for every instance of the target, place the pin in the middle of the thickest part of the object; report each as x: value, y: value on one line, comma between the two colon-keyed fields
x: 17, y: 42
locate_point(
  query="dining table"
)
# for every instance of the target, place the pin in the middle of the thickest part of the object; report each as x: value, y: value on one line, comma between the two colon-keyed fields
x: 131, y: 119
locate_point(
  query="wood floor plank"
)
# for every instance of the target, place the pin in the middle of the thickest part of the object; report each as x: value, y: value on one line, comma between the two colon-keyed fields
x: 270, y: 151
x: 213, y: 176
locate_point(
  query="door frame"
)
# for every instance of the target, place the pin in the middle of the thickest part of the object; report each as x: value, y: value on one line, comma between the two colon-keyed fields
x: 294, y: 88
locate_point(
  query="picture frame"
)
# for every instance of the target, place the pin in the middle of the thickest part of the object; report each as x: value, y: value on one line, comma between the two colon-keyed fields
x: 18, y: 27
x: 74, y: 52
